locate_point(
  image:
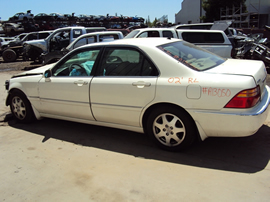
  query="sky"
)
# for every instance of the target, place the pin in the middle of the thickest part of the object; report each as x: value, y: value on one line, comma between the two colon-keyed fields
x: 141, y: 8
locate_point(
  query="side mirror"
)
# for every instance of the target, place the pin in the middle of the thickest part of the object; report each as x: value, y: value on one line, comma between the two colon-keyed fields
x: 48, y: 73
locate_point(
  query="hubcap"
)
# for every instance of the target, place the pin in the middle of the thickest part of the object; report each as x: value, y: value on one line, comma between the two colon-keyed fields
x: 18, y: 107
x: 169, y: 129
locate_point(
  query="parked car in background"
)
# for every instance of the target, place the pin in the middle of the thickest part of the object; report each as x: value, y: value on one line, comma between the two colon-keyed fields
x: 43, y: 17
x: 125, y: 32
x: 153, y: 32
x: 60, y: 38
x: 58, y: 16
x: 170, y: 89
x: 84, y: 39
x: 22, y: 16
x: 71, y: 17
x: 13, y: 49
x: 205, y: 26
x: 6, y: 39
x: 12, y: 29
x: 214, y: 41
x: 2, y: 32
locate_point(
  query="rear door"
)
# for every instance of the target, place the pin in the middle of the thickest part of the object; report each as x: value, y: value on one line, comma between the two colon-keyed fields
x: 124, y: 85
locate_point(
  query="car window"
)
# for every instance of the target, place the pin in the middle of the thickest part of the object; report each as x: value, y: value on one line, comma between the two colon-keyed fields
x: 192, y: 56
x: 132, y: 34
x: 149, y: 34
x: 43, y: 35
x: 108, y: 37
x: 84, y: 41
x: 77, y: 33
x: 167, y: 34
x: 125, y: 62
x: 79, y: 64
x: 201, y: 37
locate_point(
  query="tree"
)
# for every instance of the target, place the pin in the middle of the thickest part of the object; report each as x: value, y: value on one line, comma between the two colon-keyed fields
x: 154, y: 24
x: 212, y: 8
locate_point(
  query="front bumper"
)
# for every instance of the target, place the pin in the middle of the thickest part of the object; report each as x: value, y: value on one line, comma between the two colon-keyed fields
x: 233, y: 123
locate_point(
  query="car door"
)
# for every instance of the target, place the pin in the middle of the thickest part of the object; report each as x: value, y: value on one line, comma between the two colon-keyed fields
x: 66, y: 92
x: 124, y: 85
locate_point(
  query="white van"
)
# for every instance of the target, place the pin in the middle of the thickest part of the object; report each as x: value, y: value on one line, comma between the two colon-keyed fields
x: 215, y: 41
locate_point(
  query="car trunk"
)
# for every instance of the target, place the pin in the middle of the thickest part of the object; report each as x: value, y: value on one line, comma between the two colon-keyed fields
x: 256, y: 69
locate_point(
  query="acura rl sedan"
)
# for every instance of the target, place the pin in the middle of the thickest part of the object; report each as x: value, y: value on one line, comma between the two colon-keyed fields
x: 169, y: 89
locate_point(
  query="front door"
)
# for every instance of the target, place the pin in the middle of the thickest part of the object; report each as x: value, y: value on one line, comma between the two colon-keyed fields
x: 66, y: 92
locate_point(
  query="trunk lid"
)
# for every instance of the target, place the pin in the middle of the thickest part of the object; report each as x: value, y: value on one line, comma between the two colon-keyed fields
x: 253, y: 68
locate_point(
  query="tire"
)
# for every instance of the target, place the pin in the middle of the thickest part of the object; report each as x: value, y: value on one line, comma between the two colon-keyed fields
x: 171, y: 128
x: 9, y: 55
x: 21, y: 107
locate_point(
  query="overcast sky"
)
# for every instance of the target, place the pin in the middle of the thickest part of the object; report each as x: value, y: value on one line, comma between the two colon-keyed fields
x: 141, y: 8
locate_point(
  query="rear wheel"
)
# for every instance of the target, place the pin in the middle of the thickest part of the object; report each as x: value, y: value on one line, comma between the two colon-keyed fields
x: 21, y: 107
x: 171, y: 128
x: 9, y: 55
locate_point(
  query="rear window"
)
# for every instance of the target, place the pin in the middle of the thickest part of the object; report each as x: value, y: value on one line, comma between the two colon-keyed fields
x: 192, y: 56
x: 201, y: 37
x: 108, y: 37
x: 90, y: 30
x: 77, y: 33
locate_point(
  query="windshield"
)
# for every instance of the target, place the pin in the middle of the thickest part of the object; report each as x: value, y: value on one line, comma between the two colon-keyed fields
x: 132, y: 34
x: 192, y: 56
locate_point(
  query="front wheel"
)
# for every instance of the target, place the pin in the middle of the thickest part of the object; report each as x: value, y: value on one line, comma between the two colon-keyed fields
x: 9, y: 55
x: 21, y: 107
x: 171, y: 128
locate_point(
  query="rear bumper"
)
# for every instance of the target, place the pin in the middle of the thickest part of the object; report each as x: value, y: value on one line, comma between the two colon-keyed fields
x: 232, y: 123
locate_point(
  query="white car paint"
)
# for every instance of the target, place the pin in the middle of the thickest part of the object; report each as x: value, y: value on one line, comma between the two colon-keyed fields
x: 124, y: 101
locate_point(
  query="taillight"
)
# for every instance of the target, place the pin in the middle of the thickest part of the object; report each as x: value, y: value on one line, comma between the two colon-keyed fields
x: 245, y: 99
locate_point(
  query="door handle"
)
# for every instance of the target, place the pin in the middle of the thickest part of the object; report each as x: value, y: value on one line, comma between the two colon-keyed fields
x: 141, y: 84
x: 80, y: 83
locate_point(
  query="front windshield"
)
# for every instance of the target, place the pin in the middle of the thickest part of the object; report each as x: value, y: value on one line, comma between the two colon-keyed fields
x: 132, y: 34
x: 192, y: 56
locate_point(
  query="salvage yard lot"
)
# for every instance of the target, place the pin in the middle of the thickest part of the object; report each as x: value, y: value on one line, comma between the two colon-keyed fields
x: 64, y: 161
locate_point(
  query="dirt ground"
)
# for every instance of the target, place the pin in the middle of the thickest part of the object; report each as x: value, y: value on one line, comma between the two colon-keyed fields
x: 55, y: 160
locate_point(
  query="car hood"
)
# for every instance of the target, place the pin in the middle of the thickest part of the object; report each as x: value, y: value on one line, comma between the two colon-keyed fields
x: 36, y: 71
x: 253, y: 68
x: 41, y: 43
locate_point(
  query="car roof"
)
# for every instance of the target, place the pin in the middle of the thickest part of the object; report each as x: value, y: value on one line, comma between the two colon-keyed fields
x: 143, y: 42
x: 199, y: 30
x: 154, y: 29
x: 93, y: 34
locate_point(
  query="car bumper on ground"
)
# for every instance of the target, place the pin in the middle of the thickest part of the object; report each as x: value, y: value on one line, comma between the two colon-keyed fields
x: 232, y: 124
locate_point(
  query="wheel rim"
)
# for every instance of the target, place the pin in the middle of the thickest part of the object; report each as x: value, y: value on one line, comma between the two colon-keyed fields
x: 18, y: 108
x: 169, y: 130
x: 9, y: 56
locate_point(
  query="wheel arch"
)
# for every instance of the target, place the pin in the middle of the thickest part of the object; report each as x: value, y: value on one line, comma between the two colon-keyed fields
x: 8, y: 101
x: 148, y: 111
x: 11, y: 90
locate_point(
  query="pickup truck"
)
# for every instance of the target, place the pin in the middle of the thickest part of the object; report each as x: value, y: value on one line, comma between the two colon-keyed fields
x: 215, y: 41
x: 84, y: 39
x: 60, y: 38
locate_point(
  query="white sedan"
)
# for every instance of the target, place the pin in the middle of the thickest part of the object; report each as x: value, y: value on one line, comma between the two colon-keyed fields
x: 168, y: 88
